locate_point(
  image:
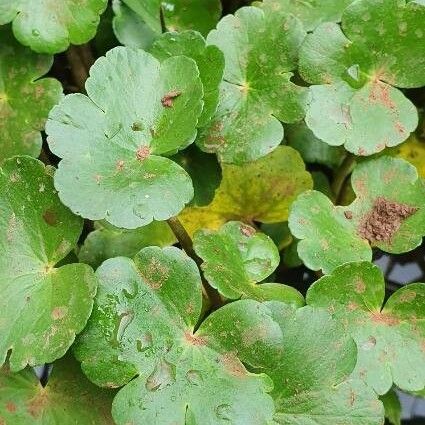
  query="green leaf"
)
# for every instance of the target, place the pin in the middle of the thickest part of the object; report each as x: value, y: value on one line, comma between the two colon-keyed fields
x: 389, y: 338
x: 43, y: 307
x: 310, y: 12
x: 112, y: 141
x: 107, y: 241
x: 392, y: 407
x: 50, y: 27
x: 69, y: 398
x: 388, y: 213
x: 261, y: 191
x: 356, y: 70
x: 209, y: 59
x: 25, y: 97
x: 143, y: 324
x: 309, y: 357
x: 257, y: 92
x: 236, y: 258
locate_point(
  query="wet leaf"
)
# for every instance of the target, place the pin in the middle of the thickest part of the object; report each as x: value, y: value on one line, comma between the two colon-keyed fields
x: 50, y: 27
x: 389, y: 338
x: 356, y: 70
x: 309, y: 357
x: 388, y: 213
x: 113, y: 141
x: 25, y: 97
x: 209, y: 59
x: 236, y: 258
x: 143, y: 324
x: 107, y: 241
x: 257, y: 92
x: 261, y: 191
x: 68, y: 398
x: 43, y: 306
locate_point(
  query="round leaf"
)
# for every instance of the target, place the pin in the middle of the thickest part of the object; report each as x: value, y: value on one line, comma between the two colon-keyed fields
x: 390, y: 339
x: 112, y: 141
x: 257, y: 91
x: 142, y: 324
x: 25, y: 97
x: 43, y: 307
x: 68, y: 398
x: 388, y: 213
x: 50, y: 27
x: 236, y: 258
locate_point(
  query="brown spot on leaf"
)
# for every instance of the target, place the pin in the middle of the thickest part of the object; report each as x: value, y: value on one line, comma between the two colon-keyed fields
x: 194, y: 340
x: 120, y: 165
x: 167, y: 100
x: 359, y: 286
x: 142, y: 153
x: 233, y: 365
x: 380, y: 93
x: 155, y: 274
x: 11, y: 407
x: 352, y: 306
x: 407, y: 296
x: 384, y: 220
x: 36, y: 405
x: 49, y: 216
x: 348, y: 215
x: 59, y: 312
x: 247, y: 230
x: 384, y: 318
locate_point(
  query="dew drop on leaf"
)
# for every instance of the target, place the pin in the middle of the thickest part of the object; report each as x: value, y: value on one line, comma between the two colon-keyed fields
x: 163, y: 375
x: 194, y: 377
x: 223, y: 411
x: 144, y: 343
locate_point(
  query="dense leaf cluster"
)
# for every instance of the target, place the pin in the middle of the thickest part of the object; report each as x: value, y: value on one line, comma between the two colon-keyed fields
x: 153, y: 195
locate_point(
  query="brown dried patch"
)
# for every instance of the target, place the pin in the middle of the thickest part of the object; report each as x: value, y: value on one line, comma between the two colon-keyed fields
x: 359, y: 286
x: 233, y: 364
x: 59, y: 312
x: 11, y: 407
x: 194, y: 340
x: 247, y: 230
x: 49, y: 216
x: 384, y: 319
x: 352, y: 398
x: 142, y: 153
x: 156, y: 274
x: 352, y: 306
x: 37, y: 404
x: 120, y: 165
x: 348, y: 215
x: 384, y: 220
x: 380, y: 93
x: 167, y: 100
x: 407, y: 296
x: 400, y: 128
x: 252, y: 335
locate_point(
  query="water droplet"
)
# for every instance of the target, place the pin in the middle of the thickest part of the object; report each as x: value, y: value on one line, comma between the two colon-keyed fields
x: 140, y: 211
x: 224, y: 411
x: 35, y: 32
x: 124, y: 319
x: 130, y: 293
x: 194, y: 377
x: 144, y: 342
x: 163, y: 375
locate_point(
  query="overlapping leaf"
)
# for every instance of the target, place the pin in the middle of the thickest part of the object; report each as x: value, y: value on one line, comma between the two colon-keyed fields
x: 413, y: 150
x: 50, y: 27
x: 390, y: 339
x: 209, y: 59
x: 356, y: 70
x: 236, y: 258
x: 392, y: 407
x: 257, y: 92
x: 25, y: 99
x: 143, y: 324
x: 307, y: 354
x: 107, y: 241
x: 262, y: 191
x: 112, y: 141
x: 42, y: 306
x: 388, y: 213
x: 69, y: 398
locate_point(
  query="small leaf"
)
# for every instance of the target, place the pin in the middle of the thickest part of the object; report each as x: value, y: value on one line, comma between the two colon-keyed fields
x: 257, y: 91
x: 261, y: 191
x: 143, y: 324
x: 69, y: 398
x: 413, y: 150
x: 236, y: 258
x: 209, y: 59
x: 392, y: 407
x: 50, y: 27
x: 390, y: 338
x: 112, y: 141
x: 388, y: 213
x: 356, y: 70
x: 108, y: 241
x: 43, y: 306
x: 25, y: 97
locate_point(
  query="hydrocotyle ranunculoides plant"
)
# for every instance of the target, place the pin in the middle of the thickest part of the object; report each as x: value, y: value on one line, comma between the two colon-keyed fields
x: 114, y: 140
x: 43, y: 306
x: 355, y: 70
x: 388, y: 213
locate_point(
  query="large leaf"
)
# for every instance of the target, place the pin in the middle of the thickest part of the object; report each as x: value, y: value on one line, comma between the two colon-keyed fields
x: 356, y: 70
x: 69, y: 398
x: 42, y: 306
x: 390, y: 339
x: 107, y: 241
x: 112, y: 141
x: 25, y: 99
x: 49, y: 27
x: 307, y: 354
x: 143, y: 324
x: 236, y: 258
x: 257, y: 91
x: 388, y: 213
x: 261, y: 190
x: 209, y: 59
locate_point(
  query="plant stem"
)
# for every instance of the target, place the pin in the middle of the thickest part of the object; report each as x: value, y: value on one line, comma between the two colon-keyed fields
x: 341, y: 175
x: 186, y: 243
x: 80, y: 59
